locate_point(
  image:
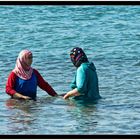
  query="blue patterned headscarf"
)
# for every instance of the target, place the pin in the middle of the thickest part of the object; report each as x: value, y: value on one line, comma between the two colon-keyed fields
x: 78, y: 56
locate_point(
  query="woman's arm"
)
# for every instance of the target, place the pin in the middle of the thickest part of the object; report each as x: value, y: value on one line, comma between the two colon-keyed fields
x: 44, y: 85
x: 73, y: 83
x: 20, y: 96
x: 10, y: 84
x: 80, y: 82
x: 71, y: 93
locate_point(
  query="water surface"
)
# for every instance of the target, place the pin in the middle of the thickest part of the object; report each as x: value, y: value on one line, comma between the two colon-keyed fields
x: 110, y: 37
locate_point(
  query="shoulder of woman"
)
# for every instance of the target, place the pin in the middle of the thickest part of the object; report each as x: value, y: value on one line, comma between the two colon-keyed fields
x: 36, y: 72
x: 12, y: 75
x: 82, y: 67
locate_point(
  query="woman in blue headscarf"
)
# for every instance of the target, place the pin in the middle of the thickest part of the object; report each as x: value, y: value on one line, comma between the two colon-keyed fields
x: 85, y: 82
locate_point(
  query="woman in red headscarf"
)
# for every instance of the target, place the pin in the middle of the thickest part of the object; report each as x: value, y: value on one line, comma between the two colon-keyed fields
x: 23, y: 80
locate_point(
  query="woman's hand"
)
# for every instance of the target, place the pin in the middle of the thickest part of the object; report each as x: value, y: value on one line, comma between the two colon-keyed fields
x: 66, y: 96
x: 20, y: 96
x: 71, y: 93
x: 26, y: 97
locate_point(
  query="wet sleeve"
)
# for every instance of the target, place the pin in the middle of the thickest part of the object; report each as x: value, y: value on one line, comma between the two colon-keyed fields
x: 44, y: 85
x: 81, y: 80
x: 10, y: 84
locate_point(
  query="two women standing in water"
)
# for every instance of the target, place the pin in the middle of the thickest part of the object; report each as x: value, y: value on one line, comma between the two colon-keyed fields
x: 23, y: 80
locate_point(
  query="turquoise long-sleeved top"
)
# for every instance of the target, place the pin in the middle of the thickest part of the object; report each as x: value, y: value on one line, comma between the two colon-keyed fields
x: 86, y: 81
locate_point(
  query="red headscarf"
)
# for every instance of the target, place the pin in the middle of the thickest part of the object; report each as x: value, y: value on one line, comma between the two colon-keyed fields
x: 22, y: 69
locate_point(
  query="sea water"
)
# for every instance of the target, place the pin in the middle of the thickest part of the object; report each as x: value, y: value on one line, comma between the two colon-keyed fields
x: 109, y: 35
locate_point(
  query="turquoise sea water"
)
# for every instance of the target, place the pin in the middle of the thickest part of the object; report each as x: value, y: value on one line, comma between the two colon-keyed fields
x: 110, y: 36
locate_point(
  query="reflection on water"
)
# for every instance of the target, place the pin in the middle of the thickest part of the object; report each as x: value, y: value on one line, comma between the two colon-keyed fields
x: 23, y: 116
x: 79, y: 114
x: 20, y: 104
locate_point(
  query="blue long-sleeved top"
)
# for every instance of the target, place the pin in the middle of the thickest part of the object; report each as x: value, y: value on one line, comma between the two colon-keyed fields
x: 86, y: 81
